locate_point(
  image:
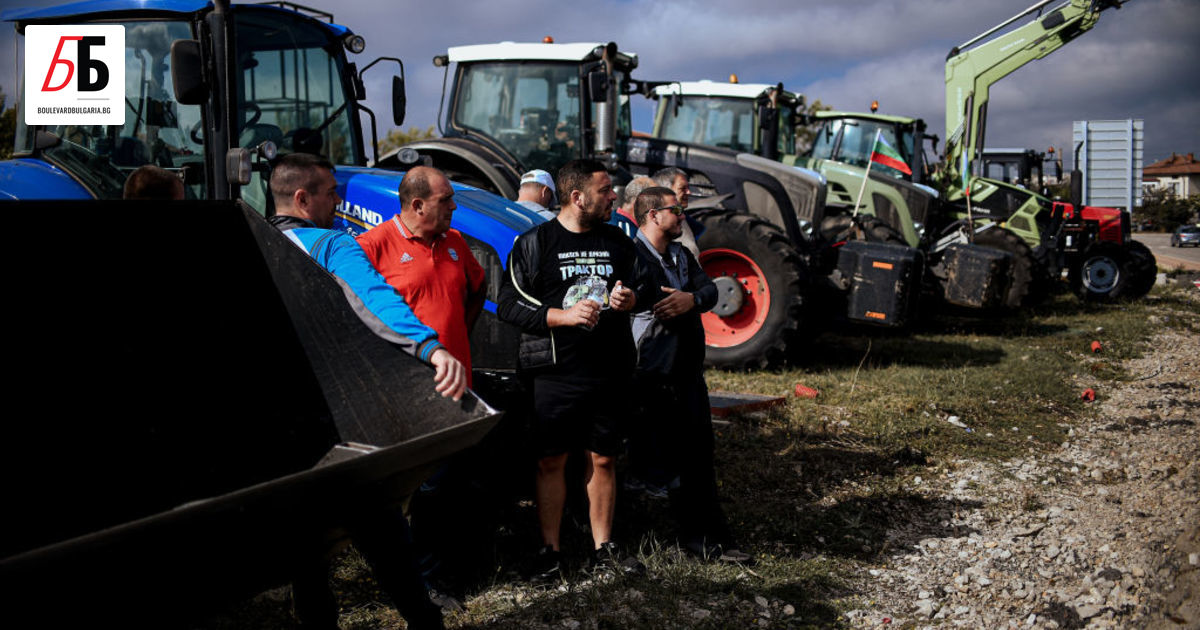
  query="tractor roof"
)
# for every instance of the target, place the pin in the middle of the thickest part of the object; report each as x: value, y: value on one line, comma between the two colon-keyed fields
x: 902, y: 120
x: 138, y: 8
x: 706, y: 87
x: 90, y: 7
x: 520, y: 51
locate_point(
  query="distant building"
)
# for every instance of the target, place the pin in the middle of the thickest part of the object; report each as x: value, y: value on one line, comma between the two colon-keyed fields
x: 1179, y: 174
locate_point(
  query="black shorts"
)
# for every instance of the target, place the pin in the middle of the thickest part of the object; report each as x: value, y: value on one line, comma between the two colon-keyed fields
x: 571, y: 414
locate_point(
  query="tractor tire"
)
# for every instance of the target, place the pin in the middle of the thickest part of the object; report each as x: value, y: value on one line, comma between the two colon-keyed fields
x: 1104, y: 273
x: 761, y: 280
x: 1029, y: 280
x: 1144, y: 270
x: 840, y: 227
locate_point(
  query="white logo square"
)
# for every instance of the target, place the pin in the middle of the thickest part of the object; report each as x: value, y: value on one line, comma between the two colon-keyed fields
x: 74, y: 74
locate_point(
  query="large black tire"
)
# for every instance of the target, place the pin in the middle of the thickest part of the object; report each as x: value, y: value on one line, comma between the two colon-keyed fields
x: 1104, y: 273
x: 1028, y: 279
x: 1144, y: 270
x: 874, y: 230
x: 762, y: 280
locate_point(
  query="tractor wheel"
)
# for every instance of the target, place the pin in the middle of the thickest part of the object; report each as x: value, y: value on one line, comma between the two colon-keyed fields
x: 1144, y: 270
x: 841, y: 228
x: 761, y: 280
x: 1029, y: 279
x: 1103, y: 274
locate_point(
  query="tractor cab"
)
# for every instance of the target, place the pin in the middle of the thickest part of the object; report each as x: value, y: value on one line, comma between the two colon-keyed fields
x: 732, y: 115
x: 848, y: 138
x: 541, y: 105
x: 212, y: 114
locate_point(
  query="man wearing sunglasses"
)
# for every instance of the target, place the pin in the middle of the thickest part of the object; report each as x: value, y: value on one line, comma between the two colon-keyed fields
x: 676, y: 418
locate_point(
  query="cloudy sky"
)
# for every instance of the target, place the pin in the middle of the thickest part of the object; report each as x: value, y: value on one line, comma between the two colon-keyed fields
x: 1139, y: 61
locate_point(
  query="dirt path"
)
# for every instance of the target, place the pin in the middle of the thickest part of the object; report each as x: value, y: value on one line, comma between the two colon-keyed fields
x: 1099, y: 533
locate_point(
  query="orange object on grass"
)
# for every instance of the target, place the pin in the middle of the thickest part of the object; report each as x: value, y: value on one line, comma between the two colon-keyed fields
x: 806, y: 392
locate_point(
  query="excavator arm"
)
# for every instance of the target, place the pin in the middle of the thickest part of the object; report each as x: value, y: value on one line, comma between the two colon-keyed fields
x: 972, y: 68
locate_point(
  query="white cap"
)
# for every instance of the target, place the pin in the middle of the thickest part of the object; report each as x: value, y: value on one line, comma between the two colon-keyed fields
x: 540, y: 177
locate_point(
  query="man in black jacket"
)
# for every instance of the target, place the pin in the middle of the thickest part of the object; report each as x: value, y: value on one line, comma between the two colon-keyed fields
x: 670, y: 375
x: 570, y: 285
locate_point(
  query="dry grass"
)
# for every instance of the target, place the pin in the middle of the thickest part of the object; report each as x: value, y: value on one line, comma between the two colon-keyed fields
x: 814, y: 488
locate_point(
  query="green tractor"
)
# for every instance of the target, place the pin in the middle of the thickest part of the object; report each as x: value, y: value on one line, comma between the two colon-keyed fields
x: 882, y: 203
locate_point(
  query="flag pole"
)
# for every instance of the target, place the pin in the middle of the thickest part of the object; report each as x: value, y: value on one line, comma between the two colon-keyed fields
x: 861, y: 189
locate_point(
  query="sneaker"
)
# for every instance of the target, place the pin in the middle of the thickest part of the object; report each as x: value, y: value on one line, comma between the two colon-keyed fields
x: 445, y: 601
x: 633, y: 485
x: 547, y: 566
x: 609, y: 557
x: 657, y: 492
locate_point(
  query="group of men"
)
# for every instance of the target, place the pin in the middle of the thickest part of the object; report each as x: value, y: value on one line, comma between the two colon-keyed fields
x: 610, y: 331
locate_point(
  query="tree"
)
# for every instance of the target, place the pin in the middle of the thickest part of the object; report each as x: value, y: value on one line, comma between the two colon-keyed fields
x: 397, y: 138
x: 805, y: 134
x: 1166, y: 211
x: 8, y: 127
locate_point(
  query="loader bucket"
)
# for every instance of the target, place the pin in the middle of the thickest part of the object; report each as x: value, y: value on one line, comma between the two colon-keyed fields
x: 181, y: 371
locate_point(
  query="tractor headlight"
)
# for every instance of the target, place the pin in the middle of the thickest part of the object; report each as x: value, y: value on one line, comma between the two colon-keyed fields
x: 354, y: 43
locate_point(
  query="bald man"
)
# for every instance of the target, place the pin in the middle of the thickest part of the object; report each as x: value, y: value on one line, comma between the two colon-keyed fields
x: 428, y: 263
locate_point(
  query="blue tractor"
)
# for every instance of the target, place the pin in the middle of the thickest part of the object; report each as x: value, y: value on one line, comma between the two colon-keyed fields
x: 281, y: 82
x: 199, y: 502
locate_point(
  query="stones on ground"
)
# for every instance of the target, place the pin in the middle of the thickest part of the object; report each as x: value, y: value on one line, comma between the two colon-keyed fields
x: 1095, y: 550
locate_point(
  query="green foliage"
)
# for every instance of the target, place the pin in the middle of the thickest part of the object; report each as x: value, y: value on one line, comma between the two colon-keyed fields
x: 1166, y: 211
x: 806, y: 134
x: 397, y: 138
x: 8, y: 127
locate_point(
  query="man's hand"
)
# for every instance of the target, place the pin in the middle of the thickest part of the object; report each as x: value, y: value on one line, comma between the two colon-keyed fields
x: 675, y: 304
x: 622, y: 298
x: 449, y: 377
x: 582, y: 313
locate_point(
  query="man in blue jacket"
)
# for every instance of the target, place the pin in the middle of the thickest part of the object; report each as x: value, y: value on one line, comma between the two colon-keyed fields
x: 676, y: 418
x: 305, y: 195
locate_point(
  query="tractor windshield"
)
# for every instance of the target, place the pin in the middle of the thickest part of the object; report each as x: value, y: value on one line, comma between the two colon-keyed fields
x: 710, y: 120
x: 157, y: 130
x: 720, y: 121
x: 850, y: 140
x: 290, y: 91
x: 530, y: 109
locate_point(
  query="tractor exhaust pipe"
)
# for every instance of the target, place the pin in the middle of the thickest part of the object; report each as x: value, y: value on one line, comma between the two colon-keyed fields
x: 606, y: 113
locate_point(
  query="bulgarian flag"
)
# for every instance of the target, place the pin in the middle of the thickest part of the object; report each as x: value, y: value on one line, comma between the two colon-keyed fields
x: 883, y: 153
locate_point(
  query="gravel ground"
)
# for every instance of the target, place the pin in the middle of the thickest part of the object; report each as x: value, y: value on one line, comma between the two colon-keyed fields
x: 1103, y: 532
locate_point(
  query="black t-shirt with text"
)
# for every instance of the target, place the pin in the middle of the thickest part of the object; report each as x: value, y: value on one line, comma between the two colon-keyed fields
x: 587, y: 266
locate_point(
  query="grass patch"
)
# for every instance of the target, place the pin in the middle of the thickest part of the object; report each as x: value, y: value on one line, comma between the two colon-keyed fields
x: 817, y: 490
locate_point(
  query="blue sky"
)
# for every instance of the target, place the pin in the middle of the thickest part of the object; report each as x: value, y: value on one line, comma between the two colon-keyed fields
x: 1139, y: 62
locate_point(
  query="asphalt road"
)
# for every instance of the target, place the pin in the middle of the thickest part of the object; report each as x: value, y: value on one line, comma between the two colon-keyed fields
x: 1170, y: 257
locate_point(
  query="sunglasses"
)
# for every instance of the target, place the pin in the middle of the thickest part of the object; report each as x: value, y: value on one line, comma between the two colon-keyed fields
x: 676, y: 209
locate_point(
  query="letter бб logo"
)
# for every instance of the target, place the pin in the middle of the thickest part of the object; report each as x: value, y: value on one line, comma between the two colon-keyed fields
x: 74, y: 74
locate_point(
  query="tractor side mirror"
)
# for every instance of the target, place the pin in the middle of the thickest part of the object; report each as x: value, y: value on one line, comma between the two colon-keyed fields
x: 187, y: 72
x: 597, y: 86
x: 399, y: 100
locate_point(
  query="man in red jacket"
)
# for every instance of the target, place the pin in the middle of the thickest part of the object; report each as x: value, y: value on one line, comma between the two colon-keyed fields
x: 429, y: 263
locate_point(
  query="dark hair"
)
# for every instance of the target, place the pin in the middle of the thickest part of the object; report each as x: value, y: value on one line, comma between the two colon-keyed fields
x: 151, y: 182
x: 294, y: 171
x: 575, y: 175
x: 416, y: 184
x: 648, y: 200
